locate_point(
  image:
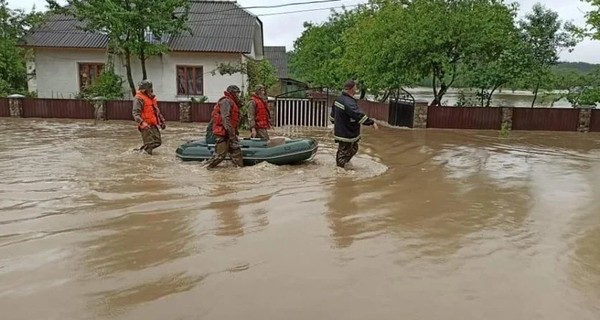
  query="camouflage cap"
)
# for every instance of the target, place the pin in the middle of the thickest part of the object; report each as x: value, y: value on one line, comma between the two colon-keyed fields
x: 145, y: 85
x: 259, y: 88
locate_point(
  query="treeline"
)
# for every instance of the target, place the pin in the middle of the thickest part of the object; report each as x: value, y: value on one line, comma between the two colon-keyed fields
x: 476, y: 44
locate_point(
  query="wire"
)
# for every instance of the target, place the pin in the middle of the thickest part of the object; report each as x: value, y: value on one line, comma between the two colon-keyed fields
x: 199, y: 21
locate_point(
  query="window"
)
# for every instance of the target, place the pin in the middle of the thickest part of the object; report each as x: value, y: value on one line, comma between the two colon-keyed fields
x: 88, y: 73
x: 190, y: 80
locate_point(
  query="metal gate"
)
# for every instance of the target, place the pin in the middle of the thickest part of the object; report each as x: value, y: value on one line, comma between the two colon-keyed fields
x: 402, y: 109
x: 301, y: 112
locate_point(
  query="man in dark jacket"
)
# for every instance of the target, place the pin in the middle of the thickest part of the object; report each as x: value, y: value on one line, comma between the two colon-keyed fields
x: 347, y: 119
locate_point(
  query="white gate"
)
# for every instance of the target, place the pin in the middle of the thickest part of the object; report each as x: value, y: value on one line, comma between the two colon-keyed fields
x: 301, y: 112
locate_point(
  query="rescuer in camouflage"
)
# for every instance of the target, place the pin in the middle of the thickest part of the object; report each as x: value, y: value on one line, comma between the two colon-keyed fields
x: 148, y: 117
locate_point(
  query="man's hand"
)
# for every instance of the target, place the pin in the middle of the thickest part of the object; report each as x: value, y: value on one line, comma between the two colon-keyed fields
x: 144, y: 125
x: 375, y: 126
x: 253, y: 134
x: 163, y: 126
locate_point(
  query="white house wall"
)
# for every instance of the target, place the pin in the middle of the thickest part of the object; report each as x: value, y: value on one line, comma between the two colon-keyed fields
x: 57, y: 72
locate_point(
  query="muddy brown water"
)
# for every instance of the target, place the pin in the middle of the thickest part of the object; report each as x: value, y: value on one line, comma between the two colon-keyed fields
x: 429, y: 225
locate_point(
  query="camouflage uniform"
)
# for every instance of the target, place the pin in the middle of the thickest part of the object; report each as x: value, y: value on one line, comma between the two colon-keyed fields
x: 151, y: 137
x: 227, y: 144
x: 346, y: 151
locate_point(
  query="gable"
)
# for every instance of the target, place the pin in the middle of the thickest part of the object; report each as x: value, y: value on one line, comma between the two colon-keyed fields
x: 216, y: 26
x: 278, y: 58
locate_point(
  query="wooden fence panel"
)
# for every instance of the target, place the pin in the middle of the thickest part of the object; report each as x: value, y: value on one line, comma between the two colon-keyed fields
x: 4, y: 109
x: 549, y: 119
x: 595, y: 122
x: 464, y: 118
x: 119, y: 110
x: 379, y: 111
x: 201, y: 112
x: 58, y: 108
x: 169, y: 110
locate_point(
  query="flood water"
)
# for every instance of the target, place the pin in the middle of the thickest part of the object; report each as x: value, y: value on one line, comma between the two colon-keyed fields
x: 435, y: 224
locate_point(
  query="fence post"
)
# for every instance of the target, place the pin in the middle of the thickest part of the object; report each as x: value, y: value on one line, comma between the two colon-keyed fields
x: 507, y: 115
x: 420, y: 116
x: 15, y: 103
x: 185, y: 110
x: 99, y: 108
x: 585, y: 118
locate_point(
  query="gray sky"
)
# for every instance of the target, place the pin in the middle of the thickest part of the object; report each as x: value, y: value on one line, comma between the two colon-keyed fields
x: 284, y: 29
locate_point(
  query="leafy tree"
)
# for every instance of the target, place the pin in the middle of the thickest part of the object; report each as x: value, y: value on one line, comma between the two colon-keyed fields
x: 547, y: 36
x: 134, y: 27
x: 13, y: 26
x: 318, y: 51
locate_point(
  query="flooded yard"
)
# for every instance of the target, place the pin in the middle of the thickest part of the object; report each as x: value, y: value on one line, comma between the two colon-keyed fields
x: 429, y: 224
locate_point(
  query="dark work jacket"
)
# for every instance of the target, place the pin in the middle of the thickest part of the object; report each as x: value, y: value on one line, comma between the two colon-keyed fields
x: 347, y: 119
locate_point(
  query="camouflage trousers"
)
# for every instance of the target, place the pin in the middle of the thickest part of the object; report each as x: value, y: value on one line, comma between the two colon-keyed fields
x: 151, y: 139
x: 223, y: 146
x: 345, y: 152
x: 262, y: 134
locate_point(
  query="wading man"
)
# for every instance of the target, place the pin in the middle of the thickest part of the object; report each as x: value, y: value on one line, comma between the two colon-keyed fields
x: 225, y: 121
x: 259, y: 117
x: 347, y: 120
x: 148, y: 117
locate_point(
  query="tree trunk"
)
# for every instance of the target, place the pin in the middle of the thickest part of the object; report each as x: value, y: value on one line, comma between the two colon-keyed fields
x: 363, y: 93
x: 385, y: 96
x: 142, y: 52
x: 535, y: 94
x: 489, y: 98
x: 128, y: 68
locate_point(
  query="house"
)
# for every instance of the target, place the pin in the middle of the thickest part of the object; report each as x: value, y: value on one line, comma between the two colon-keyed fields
x: 66, y: 59
x: 286, y: 85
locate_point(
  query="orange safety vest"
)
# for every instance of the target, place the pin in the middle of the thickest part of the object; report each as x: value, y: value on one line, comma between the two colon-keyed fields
x: 149, y: 109
x: 218, y: 128
x: 262, y: 116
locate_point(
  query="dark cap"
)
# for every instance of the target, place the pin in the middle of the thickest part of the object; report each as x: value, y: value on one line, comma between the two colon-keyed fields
x: 349, y: 84
x: 233, y: 89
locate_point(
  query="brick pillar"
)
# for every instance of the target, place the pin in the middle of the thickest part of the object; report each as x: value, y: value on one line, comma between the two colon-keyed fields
x: 420, y: 117
x: 99, y: 108
x: 15, y: 104
x: 507, y: 115
x: 185, y: 111
x: 585, y: 117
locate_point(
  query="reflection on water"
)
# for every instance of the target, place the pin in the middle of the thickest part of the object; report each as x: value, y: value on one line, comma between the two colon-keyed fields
x: 435, y: 224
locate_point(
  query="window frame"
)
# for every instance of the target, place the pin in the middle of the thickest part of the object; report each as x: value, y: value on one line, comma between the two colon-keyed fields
x: 186, y: 69
x: 99, y: 68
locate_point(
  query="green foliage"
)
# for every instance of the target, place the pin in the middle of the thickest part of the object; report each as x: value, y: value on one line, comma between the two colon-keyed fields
x: 13, y: 26
x: 318, y: 52
x: 388, y: 44
x: 547, y: 36
x: 259, y: 72
x: 108, y: 85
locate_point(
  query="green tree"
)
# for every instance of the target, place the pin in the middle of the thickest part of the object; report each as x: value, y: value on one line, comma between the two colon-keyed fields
x: 547, y: 36
x: 134, y: 27
x: 13, y: 27
x: 318, y: 51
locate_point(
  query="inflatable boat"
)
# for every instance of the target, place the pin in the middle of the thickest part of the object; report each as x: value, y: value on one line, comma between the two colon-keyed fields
x: 278, y: 151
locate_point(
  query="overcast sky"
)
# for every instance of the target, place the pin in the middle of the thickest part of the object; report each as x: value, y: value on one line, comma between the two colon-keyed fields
x: 285, y: 28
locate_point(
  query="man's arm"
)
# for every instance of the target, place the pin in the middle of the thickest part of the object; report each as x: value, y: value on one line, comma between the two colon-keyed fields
x: 137, y: 110
x: 251, y: 114
x: 226, y: 115
x: 352, y: 110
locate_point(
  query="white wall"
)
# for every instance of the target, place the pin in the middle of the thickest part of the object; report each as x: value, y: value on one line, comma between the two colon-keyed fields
x: 57, y: 72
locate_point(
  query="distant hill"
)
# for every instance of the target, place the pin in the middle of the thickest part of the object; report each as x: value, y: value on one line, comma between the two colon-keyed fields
x: 582, y: 67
